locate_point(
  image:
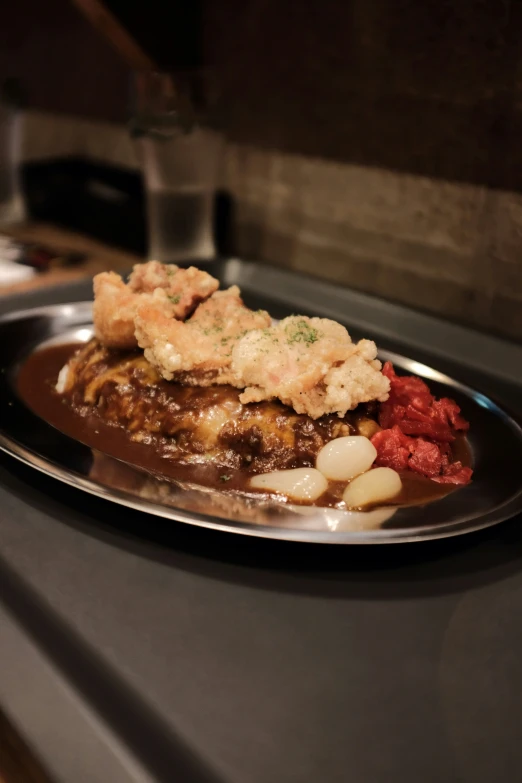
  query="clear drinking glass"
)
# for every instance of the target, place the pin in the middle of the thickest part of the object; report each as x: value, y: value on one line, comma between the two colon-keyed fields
x: 12, y: 207
x: 180, y: 160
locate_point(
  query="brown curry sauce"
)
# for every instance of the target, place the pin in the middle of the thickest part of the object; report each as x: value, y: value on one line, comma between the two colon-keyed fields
x: 36, y: 387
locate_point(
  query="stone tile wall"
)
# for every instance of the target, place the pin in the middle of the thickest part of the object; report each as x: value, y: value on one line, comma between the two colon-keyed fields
x: 449, y: 248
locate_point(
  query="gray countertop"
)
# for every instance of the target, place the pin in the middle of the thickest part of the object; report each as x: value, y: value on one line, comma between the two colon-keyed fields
x: 132, y: 648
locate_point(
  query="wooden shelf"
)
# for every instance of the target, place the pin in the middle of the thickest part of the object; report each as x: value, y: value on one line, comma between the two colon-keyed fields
x: 99, y: 257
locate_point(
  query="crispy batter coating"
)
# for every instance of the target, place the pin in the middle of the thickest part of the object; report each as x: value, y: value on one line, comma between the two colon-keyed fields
x: 185, y: 288
x: 172, y: 291
x: 310, y: 364
x: 197, y: 352
x: 114, y: 309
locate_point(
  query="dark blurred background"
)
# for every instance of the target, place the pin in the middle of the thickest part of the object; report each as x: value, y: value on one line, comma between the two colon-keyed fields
x: 376, y: 144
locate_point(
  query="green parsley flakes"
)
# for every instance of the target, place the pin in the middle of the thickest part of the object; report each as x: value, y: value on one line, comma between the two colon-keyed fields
x: 301, y: 332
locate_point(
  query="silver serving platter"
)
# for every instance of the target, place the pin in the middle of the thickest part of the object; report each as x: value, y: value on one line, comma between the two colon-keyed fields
x: 495, y: 438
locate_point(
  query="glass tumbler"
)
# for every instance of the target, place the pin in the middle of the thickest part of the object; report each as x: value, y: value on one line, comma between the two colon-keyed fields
x: 180, y: 160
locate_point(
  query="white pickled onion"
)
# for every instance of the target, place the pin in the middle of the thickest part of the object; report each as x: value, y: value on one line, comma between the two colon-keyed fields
x: 305, y: 484
x: 343, y: 458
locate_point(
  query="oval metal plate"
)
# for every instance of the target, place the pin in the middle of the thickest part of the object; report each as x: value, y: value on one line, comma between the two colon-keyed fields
x: 495, y: 437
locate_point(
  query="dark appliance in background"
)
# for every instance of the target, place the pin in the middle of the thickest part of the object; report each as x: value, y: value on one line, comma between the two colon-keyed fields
x: 104, y: 202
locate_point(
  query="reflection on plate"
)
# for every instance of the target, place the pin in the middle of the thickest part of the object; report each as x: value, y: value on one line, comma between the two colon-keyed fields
x: 119, y: 475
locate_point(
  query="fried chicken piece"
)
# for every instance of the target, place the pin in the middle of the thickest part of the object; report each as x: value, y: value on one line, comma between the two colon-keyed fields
x: 310, y: 364
x: 173, y: 291
x: 185, y: 288
x: 113, y: 311
x: 197, y: 352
